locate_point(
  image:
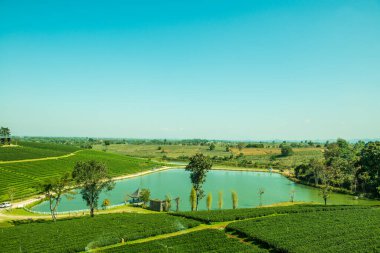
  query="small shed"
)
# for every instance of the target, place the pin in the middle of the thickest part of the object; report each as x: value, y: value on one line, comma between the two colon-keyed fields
x: 157, y: 205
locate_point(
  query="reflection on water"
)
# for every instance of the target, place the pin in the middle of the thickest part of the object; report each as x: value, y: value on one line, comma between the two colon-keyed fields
x: 176, y: 183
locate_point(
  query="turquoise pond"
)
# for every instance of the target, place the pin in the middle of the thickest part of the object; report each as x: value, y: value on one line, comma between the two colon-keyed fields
x: 176, y: 183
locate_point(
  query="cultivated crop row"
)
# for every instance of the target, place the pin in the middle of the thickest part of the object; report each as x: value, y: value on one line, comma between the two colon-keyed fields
x: 79, y: 234
x: 244, y: 213
x: 31, y: 150
x: 26, y: 176
x: 351, y: 230
x: 209, y: 240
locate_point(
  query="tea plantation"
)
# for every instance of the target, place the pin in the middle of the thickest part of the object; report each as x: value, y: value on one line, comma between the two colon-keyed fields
x: 336, y: 231
x: 245, y: 213
x: 79, y: 234
x: 33, y: 150
x: 209, y: 240
x: 26, y: 176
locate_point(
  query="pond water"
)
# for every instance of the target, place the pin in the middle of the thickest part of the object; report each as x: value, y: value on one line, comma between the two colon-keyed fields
x: 176, y: 183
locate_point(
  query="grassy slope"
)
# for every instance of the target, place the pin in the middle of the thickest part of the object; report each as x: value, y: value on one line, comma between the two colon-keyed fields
x: 261, y: 157
x: 77, y: 234
x: 335, y: 231
x: 25, y: 176
x: 32, y: 150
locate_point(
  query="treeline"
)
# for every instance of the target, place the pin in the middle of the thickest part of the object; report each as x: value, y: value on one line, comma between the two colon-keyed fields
x: 353, y: 167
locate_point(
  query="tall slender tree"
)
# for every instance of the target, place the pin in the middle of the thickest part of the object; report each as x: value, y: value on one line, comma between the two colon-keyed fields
x: 198, y: 166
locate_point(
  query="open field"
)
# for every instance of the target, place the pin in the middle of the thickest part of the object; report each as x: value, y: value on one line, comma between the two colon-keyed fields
x: 352, y: 230
x: 32, y: 150
x: 79, y: 234
x: 209, y: 240
x: 255, y: 157
x: 26, y: 176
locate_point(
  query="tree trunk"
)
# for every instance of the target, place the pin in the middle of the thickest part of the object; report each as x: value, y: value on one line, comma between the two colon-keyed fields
x: 325, y: 201
x: 196, y: 208
x: 92, y: 212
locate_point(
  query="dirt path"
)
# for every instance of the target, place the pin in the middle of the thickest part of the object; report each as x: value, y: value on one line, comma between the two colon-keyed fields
x: 40, y: 159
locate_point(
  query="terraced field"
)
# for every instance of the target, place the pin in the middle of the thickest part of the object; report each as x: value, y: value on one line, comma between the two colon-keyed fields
x: 80, y: 234
x: 336, y: 231
x: 33, y: 150
x: 25, y: 176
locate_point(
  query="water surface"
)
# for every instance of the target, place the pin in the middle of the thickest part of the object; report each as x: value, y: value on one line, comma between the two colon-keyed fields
x: 176, y: 183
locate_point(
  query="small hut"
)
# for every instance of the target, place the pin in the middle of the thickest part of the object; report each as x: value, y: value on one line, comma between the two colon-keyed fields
x: 136, y: 197
x: 157, y: 205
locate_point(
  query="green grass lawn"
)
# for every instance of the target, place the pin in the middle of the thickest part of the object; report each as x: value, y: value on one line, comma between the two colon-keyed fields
x: 79, y: 234
x: 351, y: 230
x: 32, y: 150
x: 258, y: 157
x: 209, y: 240
x: 25, y: 176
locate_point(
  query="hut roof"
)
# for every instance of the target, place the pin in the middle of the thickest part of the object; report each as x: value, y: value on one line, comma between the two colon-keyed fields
x: 136, y: 194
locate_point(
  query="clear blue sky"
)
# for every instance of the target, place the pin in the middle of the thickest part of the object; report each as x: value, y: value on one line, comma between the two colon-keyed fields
x: 191, y: 69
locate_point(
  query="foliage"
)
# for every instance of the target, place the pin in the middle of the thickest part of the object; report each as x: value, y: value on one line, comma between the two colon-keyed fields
x: 235, y: 199
x: 81, y: 234
x: 145, y: 195
x: 370, y: 164
x: 53, y: 190
x: 198, y: 166
x: 93, y: 177
x: 209, y: 201
x: 260, y: 193
x: 105, y: 203
x: 245, y: 213
x: 220, y: 200
x: 350, y: 230
x: 286, y: 150
x: 209, y: 240
x: 193, y: 199
x: 212, y: 146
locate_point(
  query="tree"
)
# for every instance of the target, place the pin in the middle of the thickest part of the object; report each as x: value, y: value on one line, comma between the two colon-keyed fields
x: 212, y: 147
x: 145, y: 196
x: 168, y: 202
x: 209, y: 201
x: 177, y: 199
x: 370, y: 164
x: 326, y: 176
x: 93, y: 177
x: 316, y: 166
x: 260, y: 193
x: 193, y: 199
x: 105, y: 203
x: 198, y: 166
x: 286, y: 150
x: 228, y: 148
x: 235, y: 199
x: 53, y: 190
x: 5, y: 133
x: 220, y: 200
x: 240, y: 146
x: 325, y: 192
x: 11, y: 193
x: 292, y: 195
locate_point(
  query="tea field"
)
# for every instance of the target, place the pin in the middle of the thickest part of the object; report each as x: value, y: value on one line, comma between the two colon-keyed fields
x: 33, y: 150
x: 209, y: 240
x: 80, y: 234
x: 352, y: 230
x: 24, y: 177
x: 246, y: 213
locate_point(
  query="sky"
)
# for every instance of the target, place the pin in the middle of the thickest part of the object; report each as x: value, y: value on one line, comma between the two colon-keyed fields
x: 216, y: 69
